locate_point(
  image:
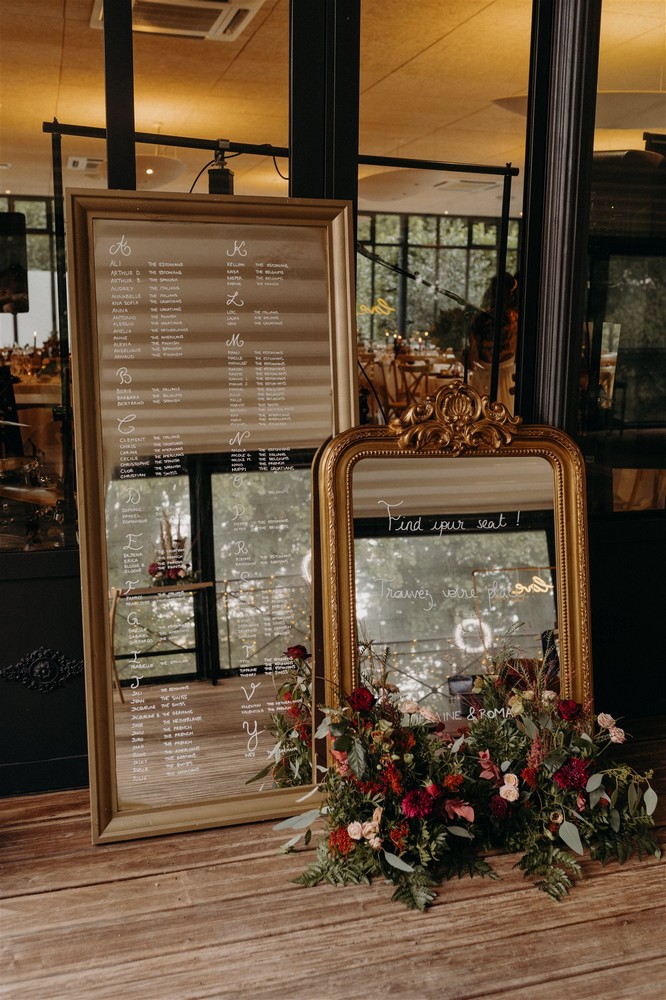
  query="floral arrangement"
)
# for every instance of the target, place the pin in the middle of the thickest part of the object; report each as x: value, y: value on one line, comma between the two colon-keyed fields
x: 407, y: 801
x: 169, y: 566
x: 290, y: 760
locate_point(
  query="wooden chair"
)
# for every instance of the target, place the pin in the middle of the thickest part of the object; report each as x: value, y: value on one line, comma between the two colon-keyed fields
x: 415, y: 380
x: 391, y: 388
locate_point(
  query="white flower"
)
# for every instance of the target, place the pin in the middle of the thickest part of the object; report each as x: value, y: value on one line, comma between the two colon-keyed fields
x: 410, y: 708
x: 556, y: 817
x: 355, y: 831
x: 375, y: 843
x: 516, y: 706
x: 511, y: 779
x: 616, y: 734
x: 377, y: 816
x: 605, y: 720
x: 369, y: 830
x: 549, y: 696
x: 509, y: 792
x: 528, y: 695
x: 429, y: 714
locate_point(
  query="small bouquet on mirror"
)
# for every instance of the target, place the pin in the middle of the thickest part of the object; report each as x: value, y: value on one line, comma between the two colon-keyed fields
x: 169, y: 566
x: 290, y: 760
x: 409, y: 802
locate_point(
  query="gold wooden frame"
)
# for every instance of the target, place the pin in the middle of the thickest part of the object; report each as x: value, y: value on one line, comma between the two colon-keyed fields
x: 334, y: 220
x: 455, y: 424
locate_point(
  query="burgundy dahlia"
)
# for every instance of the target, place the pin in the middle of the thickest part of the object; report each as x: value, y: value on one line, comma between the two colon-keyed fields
x: 417, y: 804
x: 572, y: 775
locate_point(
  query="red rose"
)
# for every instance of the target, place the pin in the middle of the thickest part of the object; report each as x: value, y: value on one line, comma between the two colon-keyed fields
x: 499, y: 807
x: 361, y: 699
x: 569, y: 709
x: 297, y: 653
x: 153, y: 569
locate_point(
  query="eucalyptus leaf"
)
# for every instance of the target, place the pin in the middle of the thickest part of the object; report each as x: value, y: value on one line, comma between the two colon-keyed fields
x: 298, y: 822
x: 633, y: 796
x: 292, y: 843
x: 505, y: 765
x: 460, y: 831
x: 571, y: 837
x: 595, y: 796
x: 529, y: 727
x: 455, y: 747
x: 397, y: 862
x: 614, y: 820
x: 357, y: 758
x: 323, y: 728
x: 554, y: 760
x: 650, y: 800
x: 307, y: 795
x: 594, y: 781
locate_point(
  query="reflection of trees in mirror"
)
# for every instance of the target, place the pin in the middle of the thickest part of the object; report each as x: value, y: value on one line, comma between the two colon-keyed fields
x: 444, y: 605
x: 166, y: 637
x: 263, y: 598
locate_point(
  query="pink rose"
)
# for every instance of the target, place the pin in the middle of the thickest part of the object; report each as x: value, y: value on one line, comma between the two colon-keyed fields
x: 355, y: 831
x: 616, y: 734
x: 509, y: 793
x: 605, y: 720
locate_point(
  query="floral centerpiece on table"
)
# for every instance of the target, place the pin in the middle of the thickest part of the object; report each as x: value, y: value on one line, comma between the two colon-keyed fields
x: 290, y: 760
x: 170, y: 566
x: 410, y: 802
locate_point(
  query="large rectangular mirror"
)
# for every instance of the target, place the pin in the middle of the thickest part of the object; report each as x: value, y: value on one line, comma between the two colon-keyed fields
x: 447, y: 536
x: 212, y: 355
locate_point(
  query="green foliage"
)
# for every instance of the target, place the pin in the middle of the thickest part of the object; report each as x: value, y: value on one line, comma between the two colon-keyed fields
x: 407, y: 802
x: 556, y: 868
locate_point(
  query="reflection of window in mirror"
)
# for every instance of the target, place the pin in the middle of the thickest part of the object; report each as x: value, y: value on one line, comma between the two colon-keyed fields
x: 444, y: 605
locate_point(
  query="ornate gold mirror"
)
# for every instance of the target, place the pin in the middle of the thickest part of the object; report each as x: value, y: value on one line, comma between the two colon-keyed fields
x: 446, y: 536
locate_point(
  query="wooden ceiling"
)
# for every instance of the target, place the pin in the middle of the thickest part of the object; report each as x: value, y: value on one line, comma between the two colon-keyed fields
x: 430, y: 76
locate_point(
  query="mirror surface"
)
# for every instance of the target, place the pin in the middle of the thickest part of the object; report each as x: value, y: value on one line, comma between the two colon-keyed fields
x: 207, y: 332
x: 451, y: 562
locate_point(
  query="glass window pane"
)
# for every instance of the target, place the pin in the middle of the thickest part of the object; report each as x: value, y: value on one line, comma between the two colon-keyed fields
x: 453, y: 231
x: 484, y: 233
x: 39, y: 255
x: 387, y: 228
x: 422, y: 229
x: 34, y: 211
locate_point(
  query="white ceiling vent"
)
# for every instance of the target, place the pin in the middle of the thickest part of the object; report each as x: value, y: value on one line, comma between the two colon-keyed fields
x: 467, y: 185
x: 214, y: 20
x: 85, y: 164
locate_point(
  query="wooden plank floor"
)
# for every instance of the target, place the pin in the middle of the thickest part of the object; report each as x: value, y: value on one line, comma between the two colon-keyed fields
x: 213, y: 914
